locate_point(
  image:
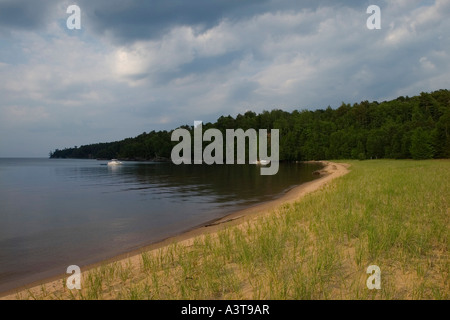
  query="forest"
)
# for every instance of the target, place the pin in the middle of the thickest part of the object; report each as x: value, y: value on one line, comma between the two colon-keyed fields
x: 408, y: 127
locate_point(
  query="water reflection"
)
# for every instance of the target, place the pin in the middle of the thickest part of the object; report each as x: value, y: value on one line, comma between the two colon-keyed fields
x: 223, y: 183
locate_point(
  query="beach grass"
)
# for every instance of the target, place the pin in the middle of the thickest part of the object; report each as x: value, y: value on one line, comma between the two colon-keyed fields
x: 390, y: 213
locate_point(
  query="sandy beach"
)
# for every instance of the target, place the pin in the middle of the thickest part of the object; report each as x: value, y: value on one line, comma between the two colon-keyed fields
x: 329, y: 172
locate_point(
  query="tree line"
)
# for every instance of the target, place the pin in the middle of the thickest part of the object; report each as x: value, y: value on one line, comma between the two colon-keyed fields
x: 408, y: 127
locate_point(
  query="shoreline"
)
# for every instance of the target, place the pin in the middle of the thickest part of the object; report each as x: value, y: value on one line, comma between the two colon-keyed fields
x: 329, y: 172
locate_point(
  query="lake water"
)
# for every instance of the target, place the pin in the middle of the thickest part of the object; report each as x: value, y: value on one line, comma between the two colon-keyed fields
x: 55, y: 213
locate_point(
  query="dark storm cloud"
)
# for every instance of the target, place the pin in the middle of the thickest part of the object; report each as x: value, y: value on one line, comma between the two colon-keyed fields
x: 128, y: 21
x: 25, y: 14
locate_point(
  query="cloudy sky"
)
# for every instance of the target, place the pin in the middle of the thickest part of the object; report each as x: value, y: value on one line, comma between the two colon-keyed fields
x: 138, y: 66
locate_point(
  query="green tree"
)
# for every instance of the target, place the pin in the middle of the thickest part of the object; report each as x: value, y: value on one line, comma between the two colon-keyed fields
x: 421, y: 147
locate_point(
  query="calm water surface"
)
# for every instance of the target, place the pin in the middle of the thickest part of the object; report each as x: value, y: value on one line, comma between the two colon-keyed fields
x: 55, y: 213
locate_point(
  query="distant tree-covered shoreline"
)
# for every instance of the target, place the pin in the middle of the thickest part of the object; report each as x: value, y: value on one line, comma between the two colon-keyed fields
x: 408, y: 127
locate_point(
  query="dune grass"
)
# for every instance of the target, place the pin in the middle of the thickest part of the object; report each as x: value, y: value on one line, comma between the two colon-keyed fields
x: 389, y: 213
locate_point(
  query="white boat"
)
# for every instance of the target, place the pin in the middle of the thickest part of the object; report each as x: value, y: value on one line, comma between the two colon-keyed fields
x: 114, y: 162
x: 261, y: 162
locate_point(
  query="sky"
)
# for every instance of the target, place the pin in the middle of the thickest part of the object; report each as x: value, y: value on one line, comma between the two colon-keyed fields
x: 137, y: 66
